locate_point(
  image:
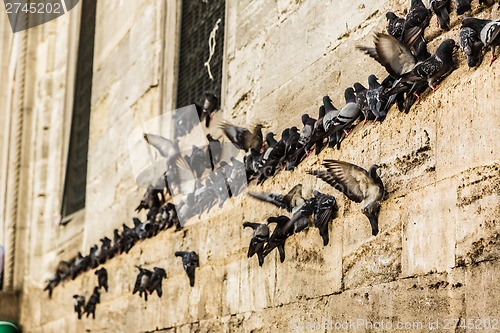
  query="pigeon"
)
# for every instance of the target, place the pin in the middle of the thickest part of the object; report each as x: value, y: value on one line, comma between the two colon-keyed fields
x: 259, y: 238
x: 80, y: 264
x: 102, y: 278
x: 150, y: 199
x: 416, y: 21
x: 307, y: 130
x: 155, y: 281
x: 78, y: 305
x: 488, y: 30
x: 401, y: 64
x: 215, y: 151
x: 91, y: 304
x: 198, y: 161
x: 209, y: 106
x: 362, y: 101
x: 441, y: 9
x: 377, y: 99
x: 471, y: 46
x: 105, y: 250
x: 164, y: 146
x: 357, y: 184
x: 242, y: 138
x: 190, y: 261
x: 142, y: 282
x: 324, y: 211
x: 271, y: 143
x: 346, y: 117
x: 463, y: 6
x: 300, y: 218
x: 278, y: 237
x: 52, y: 283
x: 318, y: 133
x: 269, y: 166
x: 292, y: 201
x: 139, y: 229
x: 94, y: 260
x: 395, y: 25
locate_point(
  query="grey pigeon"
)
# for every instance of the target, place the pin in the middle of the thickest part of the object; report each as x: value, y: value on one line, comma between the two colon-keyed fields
x: 102, y: 278
x: 78, y: 305
x: 463, y: 6
x: 324, y: 211
x: 362, y: 101
x: 357, y: 184
x: 416, y: 21
x: 347, y: 115
x: 259, y: 238
x: 471, y: 46
x: 377, y: 99
x: 190, y: 261
x: 488, y: 30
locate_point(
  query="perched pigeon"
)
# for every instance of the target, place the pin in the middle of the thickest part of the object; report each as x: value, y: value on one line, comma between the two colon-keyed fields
x: 278, y: 237
x: 471, y: 46
x: 91, y: 304
x: 291, y: 201
x: 357, y: 184
x: 190, y: 261
x: 395, y: 25
x: 209, y: 106
x: 307, y: 129
x: 324, y: 211
x: 142, y: 282
x: 416, y: 21
x: 362, y: 101
x: 259, y: 238
x: 402, y: 64
x: 488, y: 30
x: 52, y: 283
x: 215, y: 151
x: 377, y: 99
x: 441, y: 9
x: 78, y: 305
x: 102, y: 278
x: 463, y: 6
x: 346, y: 117
x: 155, y: 281
x: 242, y: 138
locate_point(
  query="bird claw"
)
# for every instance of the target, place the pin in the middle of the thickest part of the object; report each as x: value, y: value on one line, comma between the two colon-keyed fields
x: 435, y: 88
x: 493, y: 58
x: 347, y: 133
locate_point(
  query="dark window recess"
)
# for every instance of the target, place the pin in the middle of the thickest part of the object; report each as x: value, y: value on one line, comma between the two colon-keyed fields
x: 198, y: 20
x: 76, y: 170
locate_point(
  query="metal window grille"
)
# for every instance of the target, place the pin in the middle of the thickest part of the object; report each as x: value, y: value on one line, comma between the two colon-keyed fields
x: 76, y: 170
x: 198, y: 19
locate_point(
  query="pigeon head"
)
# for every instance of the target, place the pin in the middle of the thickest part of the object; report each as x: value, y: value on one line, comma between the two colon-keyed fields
x: 372, y: 211
x: 285, y: 134
x: 445, y: 49
x: 474, y: 23
x: 305, y: 118
x: 358, y: 87
x: 372, y: 80
x: 160, y: 272
x: 269, y: 137
x: 321, y: 111
x: 390, y: 16
x: 349, y: 95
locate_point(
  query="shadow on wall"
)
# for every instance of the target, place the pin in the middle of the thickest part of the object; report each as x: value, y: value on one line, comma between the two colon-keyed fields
x: 1, y: 266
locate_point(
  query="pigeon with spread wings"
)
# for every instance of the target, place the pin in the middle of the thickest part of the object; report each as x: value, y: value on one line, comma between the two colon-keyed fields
x: 357, y: 184
x: 291, y: 201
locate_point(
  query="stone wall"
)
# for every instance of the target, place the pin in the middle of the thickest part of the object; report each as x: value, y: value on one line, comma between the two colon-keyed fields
x: 436, y: 256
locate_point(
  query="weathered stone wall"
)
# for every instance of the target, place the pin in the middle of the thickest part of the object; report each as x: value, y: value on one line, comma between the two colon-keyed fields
x: 436, y: 256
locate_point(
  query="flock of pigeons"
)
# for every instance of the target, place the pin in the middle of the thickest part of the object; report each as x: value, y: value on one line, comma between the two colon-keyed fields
x: 203, y: 179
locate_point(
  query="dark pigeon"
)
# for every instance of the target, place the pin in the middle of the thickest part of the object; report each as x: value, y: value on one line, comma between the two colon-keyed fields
x: 78, y: 305
x: 259, y: 237
x: 377, y: 99
x: 190, y: 261
x: 242, y: 138
x: 324, y: 211
x: 215, y: 151
x: 395, y: 25
x: 346, y: 117
x: 156, y: 280
x: 94, y: 299
x: 441, y: 9
x: 278, y: 237
x: 471, y: 46
x: 102, y: 278
x: 142, y: 282
x: 357, y: 184
x: 463, y: 6
x: 362, y: 101
x: 52, y: 283
x: 416, y: 21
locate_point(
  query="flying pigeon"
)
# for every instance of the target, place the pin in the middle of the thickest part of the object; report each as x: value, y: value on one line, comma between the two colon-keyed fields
x: 324, y: 211
x: 155, y: 281
x: 401, y: 64
x: 91, y: 304
x: 259, y: 238
x: 190, y: 261
x: 357, y: 184
x: 242, y: 138
x: 78, y: 305
x: 102, y: 278
x: 142, y: 282
x: 488, y: 30
x: 471, y: 46
x: 291, y: 201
